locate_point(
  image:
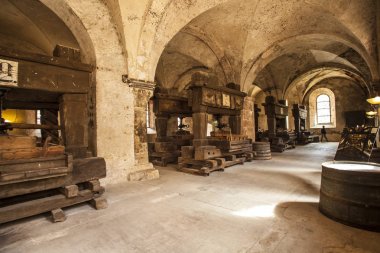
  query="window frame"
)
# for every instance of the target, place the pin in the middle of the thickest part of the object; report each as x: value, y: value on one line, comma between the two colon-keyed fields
x: 317, y: 109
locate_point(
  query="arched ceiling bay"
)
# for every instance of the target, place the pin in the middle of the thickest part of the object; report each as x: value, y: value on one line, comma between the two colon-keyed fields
x: 270, y: 43
x: 301, y: 86
x: 28, y: 25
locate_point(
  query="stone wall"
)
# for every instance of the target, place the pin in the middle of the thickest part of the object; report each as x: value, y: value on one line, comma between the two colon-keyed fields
x: 248, y: 123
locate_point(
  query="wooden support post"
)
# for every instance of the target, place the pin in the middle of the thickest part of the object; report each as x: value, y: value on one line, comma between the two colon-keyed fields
x: 200, y: 129
x: 58, y: 215
x: 70, y: 191
x: 49, y: 117
x: 161, y: 126
x: 235, y: 124
x: 94, y: 185
x: 74, y: 123
x: 271, y: 127
x: 99, y: 203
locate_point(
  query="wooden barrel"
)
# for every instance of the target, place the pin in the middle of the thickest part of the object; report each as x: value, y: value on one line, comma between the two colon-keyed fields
x: 261, y: 151
x: 350, y: 193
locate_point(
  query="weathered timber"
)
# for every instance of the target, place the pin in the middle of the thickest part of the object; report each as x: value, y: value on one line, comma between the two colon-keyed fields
x: 58, y: 215
x: 37, y: 206
x: 44, y: 59
x: 34, y: 126
x: 74, y: 123
x: 70, y: 191
x: 83, y: 170
x: 93, y: 185
x: 29, y: 105
x: 27, y: 153
x: 16, y: 142
x: 99, y: 203
x: 68, y: 53
x: 206, y: 152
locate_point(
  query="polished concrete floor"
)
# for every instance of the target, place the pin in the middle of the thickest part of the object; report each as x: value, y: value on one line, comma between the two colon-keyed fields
x: 262, y: 206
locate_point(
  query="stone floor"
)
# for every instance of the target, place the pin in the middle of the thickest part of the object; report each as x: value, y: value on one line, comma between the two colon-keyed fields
x: 263, y: 206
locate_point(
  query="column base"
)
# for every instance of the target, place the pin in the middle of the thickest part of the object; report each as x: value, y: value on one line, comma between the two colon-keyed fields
x: 144, y: 172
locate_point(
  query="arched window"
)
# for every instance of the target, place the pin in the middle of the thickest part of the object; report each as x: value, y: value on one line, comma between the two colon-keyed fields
x: 323, y: 109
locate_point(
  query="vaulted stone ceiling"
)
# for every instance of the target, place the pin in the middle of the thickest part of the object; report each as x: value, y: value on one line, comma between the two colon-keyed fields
x: 28, y: 25
x: 272, y: 43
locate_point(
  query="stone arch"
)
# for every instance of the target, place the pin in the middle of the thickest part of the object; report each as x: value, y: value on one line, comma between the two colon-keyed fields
x: 157, y: 18
x: 91, y: 24
x: 216, y: 49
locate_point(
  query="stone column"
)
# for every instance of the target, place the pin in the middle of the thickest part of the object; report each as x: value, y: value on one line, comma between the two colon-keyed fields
x: 248, y: 118
x: 143, y: 169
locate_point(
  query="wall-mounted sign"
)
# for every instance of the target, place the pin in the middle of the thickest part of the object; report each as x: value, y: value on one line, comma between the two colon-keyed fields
x: 8, y: 73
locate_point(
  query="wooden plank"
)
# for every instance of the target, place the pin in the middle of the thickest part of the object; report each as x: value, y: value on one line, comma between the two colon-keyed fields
x: 33, y: 207
x: 15, y: 154
x: 17, y: 142
x: 29, y: 105
x: 33, y: 126
x: 11, y: 178
x: 33, y: 164
x: 235, y: 162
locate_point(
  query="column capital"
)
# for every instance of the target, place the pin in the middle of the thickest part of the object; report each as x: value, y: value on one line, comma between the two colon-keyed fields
x: 140, y: 84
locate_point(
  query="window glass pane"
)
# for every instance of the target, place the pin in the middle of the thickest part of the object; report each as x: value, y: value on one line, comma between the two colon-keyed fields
x: 323, y: 109
x: 323, y: 120
x: 323, y: 98
x: 323, y: 112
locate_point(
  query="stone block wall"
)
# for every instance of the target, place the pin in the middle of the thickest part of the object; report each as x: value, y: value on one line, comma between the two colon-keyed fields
x: 247, y: 117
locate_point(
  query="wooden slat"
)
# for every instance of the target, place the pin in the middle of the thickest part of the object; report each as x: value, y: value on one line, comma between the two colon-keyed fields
x: 16, y: 142
x: 33, y: 126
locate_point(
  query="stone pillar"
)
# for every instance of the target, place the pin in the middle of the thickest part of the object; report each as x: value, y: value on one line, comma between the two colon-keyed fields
x: 143, y: 169
x: 248, y: 118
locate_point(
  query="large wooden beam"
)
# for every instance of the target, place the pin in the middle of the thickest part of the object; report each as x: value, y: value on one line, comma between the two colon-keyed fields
x: 84, y: 170
x: 33, y: 207
x: 74, y: 123
x: 45, y: 59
